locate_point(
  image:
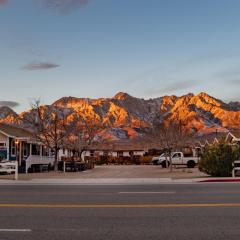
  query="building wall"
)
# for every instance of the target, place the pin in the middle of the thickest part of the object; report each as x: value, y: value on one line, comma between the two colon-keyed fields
x: 3, y: 149
x: 3, y: 138
x: 139, y: 153
x: 11, y: 157
x: 63, y: 153
x: 115, y: 153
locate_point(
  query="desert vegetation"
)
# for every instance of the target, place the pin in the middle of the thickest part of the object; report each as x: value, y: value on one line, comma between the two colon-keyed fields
x: 217, y: 160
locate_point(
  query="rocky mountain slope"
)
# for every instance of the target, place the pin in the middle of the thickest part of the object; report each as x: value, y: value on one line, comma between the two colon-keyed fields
x: 7, y: 115
x: 123, y: 112
x: 128, y: 116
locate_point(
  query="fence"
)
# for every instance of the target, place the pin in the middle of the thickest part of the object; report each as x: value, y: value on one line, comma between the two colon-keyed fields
x: 10, y: 167
x: 41, y: 160
x: 76, y: 164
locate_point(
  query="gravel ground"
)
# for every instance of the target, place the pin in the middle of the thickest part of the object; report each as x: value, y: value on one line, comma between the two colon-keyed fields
x: 117, y: 171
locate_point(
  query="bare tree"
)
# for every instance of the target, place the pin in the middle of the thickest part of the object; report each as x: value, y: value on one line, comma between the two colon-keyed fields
x: 49, y: 125
x: 171, y: 136
x: 86, y: 132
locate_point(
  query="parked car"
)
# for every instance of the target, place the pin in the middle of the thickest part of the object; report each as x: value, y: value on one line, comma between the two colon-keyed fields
x: 178, y: 158
x: 236, y: 168
x: 155, y: 160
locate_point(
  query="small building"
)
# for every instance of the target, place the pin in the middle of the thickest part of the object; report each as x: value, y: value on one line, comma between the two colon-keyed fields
x: 114, y: 153
x: 18, y: 144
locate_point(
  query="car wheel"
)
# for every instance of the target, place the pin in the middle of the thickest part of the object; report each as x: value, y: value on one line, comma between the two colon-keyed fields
x: 155, y: 162
x: 191, y: 164
x: 164, y: 165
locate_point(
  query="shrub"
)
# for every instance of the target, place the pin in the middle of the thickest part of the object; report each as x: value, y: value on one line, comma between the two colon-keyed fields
x: 135, y: 160
x: 102, y: 160
x: 145, y: 160
x: 217, y: 160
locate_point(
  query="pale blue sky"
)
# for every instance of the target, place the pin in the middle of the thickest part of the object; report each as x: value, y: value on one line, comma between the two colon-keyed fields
x: 147, y: 48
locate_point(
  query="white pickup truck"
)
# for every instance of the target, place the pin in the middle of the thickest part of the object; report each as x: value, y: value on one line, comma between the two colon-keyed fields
x: 178, y: 158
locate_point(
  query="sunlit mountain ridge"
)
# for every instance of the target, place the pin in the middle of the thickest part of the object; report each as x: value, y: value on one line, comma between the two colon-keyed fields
x: 127, y: 117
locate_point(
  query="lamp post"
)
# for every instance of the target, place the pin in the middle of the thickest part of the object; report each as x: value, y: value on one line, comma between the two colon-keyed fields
x: 81, y: 145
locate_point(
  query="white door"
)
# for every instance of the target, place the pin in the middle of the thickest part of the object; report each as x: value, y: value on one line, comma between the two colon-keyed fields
x: 176, y: 158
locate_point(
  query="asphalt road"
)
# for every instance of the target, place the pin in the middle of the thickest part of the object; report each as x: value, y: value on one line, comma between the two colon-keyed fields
x: 180, y: 211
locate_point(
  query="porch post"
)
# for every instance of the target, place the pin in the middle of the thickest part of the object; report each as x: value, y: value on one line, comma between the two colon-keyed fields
x: 41, y: 151
x: 8, y: 149
x: 20, y: 153
x: 30, y: 152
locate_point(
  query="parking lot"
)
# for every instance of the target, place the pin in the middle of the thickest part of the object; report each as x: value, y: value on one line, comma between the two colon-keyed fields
x: 117, y: 171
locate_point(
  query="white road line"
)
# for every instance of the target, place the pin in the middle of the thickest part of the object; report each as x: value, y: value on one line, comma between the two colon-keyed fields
x: 15, y: 230
x: 146, y: 192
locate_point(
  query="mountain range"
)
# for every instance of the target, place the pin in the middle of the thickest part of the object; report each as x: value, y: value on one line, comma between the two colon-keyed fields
x: 128, y: 116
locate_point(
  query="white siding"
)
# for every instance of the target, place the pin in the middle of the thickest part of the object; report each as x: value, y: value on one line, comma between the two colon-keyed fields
x: 126, y: 154
x: 138, y: 153
x: 3, y: 138
x: 63, y: 153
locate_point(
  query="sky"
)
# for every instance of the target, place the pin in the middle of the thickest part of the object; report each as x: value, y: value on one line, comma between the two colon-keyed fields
x: 96, y: 48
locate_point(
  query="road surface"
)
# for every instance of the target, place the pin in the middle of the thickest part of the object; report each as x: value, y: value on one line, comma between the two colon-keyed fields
x: 166, y: 211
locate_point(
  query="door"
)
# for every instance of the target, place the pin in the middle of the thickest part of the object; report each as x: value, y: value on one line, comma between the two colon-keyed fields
x: 177, y: 158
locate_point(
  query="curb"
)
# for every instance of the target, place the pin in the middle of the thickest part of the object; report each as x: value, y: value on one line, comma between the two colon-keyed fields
x: 221, y: 180
x: 117, y: 181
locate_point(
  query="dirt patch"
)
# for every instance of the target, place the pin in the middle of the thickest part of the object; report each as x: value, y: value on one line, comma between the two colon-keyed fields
x: 116, y: 171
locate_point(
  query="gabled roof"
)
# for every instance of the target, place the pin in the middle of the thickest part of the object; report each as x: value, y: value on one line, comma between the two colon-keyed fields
x: 212, y: 138
x: 235, y: 134
x: 14, y: 132
x: 215, y: 141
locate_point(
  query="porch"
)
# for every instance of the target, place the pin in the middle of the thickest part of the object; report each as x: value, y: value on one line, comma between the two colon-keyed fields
x: 28, y: 154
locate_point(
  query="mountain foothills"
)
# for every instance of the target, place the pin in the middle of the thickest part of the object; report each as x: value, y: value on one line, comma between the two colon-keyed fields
x: 127, y: 117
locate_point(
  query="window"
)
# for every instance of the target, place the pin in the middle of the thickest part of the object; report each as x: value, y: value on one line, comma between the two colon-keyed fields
x: 45, y: 151
x: 3, y: 145
x: 120, y: 154
x: 105, y: 153
x: 176, y: 155
x: 92, y: 153
x: 52, y: 153
x: 13, y: 148
x: 35, y: 149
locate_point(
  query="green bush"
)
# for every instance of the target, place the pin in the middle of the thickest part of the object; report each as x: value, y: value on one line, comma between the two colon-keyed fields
x: 217, y: 160
x: 102, y: 160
